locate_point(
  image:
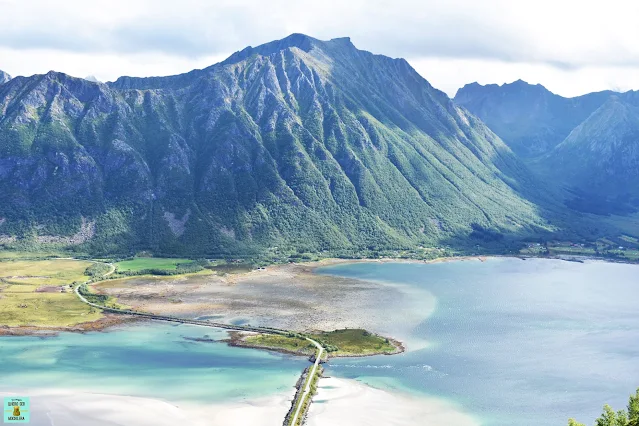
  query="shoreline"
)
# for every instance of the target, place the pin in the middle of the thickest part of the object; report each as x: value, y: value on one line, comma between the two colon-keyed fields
x: 338, y: 396
x: 113, y: 320
x: 106, y: 322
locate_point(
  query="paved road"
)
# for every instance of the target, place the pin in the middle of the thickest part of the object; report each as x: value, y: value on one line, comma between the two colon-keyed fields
x: 307, y: 390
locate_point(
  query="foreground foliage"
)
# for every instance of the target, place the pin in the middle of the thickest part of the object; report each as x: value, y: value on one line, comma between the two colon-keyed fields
x: 610, y: 417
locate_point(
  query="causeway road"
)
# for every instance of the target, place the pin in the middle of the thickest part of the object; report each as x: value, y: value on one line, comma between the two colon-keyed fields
x: 306, y: 393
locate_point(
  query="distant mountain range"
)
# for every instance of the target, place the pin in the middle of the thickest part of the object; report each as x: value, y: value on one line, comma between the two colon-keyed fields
x: 588, y: 144
x: 302, y: 144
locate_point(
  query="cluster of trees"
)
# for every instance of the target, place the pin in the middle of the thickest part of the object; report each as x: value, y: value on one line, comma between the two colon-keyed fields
x: 98, y: 299
x: 610, y: 417
x: 97, y: 270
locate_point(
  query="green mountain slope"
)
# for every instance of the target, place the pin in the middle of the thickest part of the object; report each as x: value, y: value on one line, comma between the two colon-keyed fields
x: 296, y: 143
x: 599, y: 160
x: 587, y: 146
x: 529, y: 118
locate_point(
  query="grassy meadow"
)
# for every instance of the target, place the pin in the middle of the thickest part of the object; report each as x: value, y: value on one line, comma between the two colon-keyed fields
x: 147, y: 263
x: 40, y: 293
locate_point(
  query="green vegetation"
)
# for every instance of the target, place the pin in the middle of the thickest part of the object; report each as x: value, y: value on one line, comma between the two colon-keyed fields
x: 621, y: 248
x: 347, y: 342
x: 43, y: 272
x: 354, y: 342
x: 159, y: 266
x: 306, y: 402
x: 610, y: 417
x: 387, y: 164
x: 139, y: 264
x: 99, y: 299
x: 97, y: 270
x: 29, y: 255
x: 293, y: 343
x: 40, y: 293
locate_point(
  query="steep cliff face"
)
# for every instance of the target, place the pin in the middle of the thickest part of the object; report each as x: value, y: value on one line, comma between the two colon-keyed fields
x: 298, y: 142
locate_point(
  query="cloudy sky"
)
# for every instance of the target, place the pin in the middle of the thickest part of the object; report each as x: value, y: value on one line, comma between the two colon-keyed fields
x: 572, y: 47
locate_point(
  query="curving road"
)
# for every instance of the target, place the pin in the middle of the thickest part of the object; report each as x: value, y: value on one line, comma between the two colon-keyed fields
x: 318, y: 356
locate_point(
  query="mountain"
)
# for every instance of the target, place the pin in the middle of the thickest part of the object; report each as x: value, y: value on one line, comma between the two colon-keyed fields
x: 599, y: 160
x: 4, y: 77
x: 299, y: 143
x: 588, y: 145
x: 529, y: 118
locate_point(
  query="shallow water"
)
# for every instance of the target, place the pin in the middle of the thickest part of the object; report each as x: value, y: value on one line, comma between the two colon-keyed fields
x: 529, y: 342
x: 150, y: 360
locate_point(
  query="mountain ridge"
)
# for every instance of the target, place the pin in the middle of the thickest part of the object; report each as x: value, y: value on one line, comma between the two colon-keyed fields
x: 531, y: 119
x: 586, y: 145
x: 324, y: 147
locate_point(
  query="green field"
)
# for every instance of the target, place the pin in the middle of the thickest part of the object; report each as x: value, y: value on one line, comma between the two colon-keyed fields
x: 33, y: 255
x: 39, y: 293
x: 347, y: 342
x: 140, y: 264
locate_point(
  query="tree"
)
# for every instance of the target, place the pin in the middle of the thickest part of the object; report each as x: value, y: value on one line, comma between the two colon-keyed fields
x: 608, y: 417
x: 633, y: 410
x: 622, y: 418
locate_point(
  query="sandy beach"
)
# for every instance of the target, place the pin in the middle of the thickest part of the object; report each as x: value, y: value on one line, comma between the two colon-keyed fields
x: 339, y: 402
x: 344, y: 402
x: 74, y: 408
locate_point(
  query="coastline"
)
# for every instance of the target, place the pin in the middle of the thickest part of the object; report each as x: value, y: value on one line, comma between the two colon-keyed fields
x: 301, y: 270
x: 106, y: 322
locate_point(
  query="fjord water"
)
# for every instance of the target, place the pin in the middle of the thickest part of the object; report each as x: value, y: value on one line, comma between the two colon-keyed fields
x: 150, y: 360
x: 530, y: 343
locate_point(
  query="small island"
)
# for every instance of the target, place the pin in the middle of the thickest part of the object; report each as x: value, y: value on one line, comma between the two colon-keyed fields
x: 338, y: 343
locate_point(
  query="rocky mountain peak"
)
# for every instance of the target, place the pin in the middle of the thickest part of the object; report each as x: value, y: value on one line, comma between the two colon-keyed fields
x: 300, y: 41
x: 4, y: 77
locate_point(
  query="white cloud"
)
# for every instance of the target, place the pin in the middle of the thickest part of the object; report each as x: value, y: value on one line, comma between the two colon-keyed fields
x: 570, y: 46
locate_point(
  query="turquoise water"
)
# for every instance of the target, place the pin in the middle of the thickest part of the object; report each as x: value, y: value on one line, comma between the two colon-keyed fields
x: 150, y: 360
x: 530, y: 343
